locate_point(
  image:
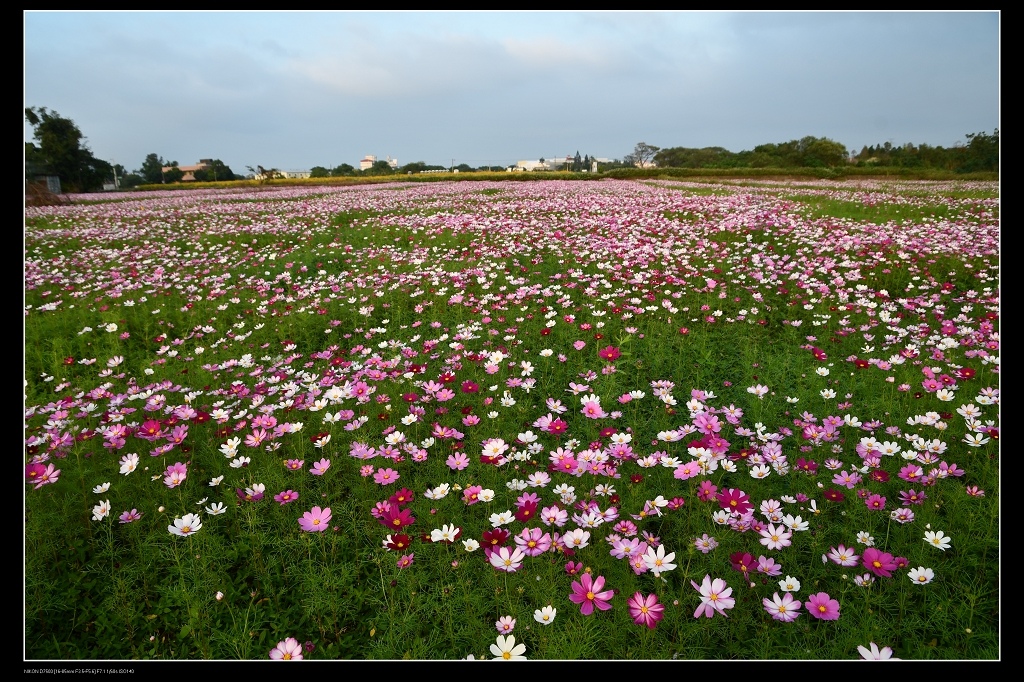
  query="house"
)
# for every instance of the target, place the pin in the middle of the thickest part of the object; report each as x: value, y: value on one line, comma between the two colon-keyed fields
x: 189, y: 171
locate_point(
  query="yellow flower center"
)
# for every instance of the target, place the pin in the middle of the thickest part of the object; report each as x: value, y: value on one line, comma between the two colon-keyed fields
x: 590, y: 595
x: 506, y: 655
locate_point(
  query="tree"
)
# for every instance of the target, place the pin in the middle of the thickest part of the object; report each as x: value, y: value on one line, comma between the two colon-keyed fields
x: 63, y: 151
x: 173, y: 174
x: 153, y: 169
x: 264, y: 174
x: 343, y: 169
x: 643, y: 154
x: 379, y: 168
x: 982, y: 152
x: 319, y: 172
x: 216, y: 171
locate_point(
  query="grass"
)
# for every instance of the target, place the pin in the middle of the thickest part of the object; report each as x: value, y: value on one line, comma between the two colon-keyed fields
x: 780, y: 307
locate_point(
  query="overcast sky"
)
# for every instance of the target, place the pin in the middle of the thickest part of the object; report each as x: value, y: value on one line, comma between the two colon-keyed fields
x: 293, y: 90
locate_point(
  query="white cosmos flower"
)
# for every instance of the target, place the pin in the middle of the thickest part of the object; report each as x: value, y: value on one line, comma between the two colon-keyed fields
x: 186, y: 525
x: 101, y: 510
x: 216, y: 508
x: 545, y: 615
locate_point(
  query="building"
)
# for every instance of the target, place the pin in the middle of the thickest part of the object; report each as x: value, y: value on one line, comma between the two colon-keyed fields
x: 367, y: 162
x: 189, y: 171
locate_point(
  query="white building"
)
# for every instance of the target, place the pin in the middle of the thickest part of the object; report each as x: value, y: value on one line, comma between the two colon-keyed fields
x: 367, y: 162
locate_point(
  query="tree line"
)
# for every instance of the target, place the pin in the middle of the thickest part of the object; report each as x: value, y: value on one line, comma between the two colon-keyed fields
x: 979, y: 153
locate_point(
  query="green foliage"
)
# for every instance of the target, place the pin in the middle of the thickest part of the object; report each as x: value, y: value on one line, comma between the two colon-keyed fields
x: 152, y: 170
x: 217, y: 171
x: 63, y: 151
x: 173, y: 174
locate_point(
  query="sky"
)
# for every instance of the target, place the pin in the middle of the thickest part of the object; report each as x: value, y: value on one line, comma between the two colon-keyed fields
x: 294, y: 90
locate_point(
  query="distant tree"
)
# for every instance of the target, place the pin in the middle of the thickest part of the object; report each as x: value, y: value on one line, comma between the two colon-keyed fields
x: 822, y: 152
x: 173, y: 174
x: 683, y: 157
x: 343, y: 169
x: 643, y: 153
x: 63, y: 151
x: 319, y: 172
x: 264, y: 174
x: 379, y: 168
x: 216, y: 172
x: 129, y: 180
x: 464, y: 168
x: 414, y: 167
x: 981, y: 153
x: 153, y: 169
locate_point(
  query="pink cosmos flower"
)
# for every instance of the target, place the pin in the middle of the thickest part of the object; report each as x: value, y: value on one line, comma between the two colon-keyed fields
x: 645, y: 610
x: 822, y: 606
x: 706, y: 491
x: 505, y: 624
x: 533, y: 541
x: 457, y: 461
x: 286, y: 496
x: 785, y: 609
x: 875, y: 501
x: 842, y: 556
x: 385, y: 476
x: 406, y: 560
x: 587, y: 593
x: 316, y: 520
x: 471, y: 495
x: 288, y: 649
x: 129, y: 516
x: 508, y: 560
x: 715, y: 597
x: 592, y: 408
x: 321, y: 467
x: 42, y: 475
x: 776, y: 537
x: 688, y: 470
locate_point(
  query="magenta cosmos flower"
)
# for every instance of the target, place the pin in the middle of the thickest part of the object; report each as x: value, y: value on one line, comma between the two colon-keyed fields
x: 645, y: 610
x: 287, y: 649
x: 734, y: 500
x: 587, y: 593
x: 822, y: 606
x: 316, y: 520
x: 878, y: 562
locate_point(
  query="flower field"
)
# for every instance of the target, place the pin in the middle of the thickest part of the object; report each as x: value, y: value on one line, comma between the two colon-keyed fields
x: 503, y: 420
